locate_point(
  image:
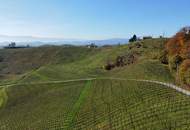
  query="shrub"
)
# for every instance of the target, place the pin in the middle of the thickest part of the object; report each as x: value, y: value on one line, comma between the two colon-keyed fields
x: 138, y: 44
x: 109, y: 66
x: 174, y: 62
x: 120, y: 61
x: 164, y: 57
x: 185, y: 72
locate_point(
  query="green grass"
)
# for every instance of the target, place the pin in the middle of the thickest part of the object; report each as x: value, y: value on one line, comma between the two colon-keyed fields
x: 133, y: 106
x: 76, y: 108
x: 85, y: 63
x: 97, y: 104
x: 144, y: 69
x: 39, y: 106
x: 20, y: 61
x: 3, y: 97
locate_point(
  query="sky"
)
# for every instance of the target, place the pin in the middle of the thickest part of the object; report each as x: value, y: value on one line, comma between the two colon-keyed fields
x: 92, y: 19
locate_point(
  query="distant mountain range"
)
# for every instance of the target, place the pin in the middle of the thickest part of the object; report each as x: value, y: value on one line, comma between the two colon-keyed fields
x: 37, y: 41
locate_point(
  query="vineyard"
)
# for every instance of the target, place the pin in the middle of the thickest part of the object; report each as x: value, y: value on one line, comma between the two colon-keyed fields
x: 94, y: 65
x: 95, y: 104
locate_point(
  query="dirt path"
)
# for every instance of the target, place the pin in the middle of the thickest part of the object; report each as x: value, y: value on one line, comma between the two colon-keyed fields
x: 170, y: 85
x: 48, y: 82
x: 177, y: 88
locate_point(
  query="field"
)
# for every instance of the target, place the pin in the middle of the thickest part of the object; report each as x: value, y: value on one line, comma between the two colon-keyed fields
x: 67, y: 88
x: 94, y: 104
x: 40, y: 106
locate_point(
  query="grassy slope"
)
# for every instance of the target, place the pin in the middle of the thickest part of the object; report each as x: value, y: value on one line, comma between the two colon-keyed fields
x: 145, y: 69
x: 132, y: 105
x: 148, y: 65
x: 19, y: 63
x: 84, y: 63
x: 40, y: 106
x: 101, y: 104
x: 47, y: 106
x: 77, y: 106
x: 3, y: 97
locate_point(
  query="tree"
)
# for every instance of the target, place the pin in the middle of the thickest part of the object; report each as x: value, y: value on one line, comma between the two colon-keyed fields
x: 185, y: 30
x: 133, y: 39
x: 178, y: 48
x: 12, y: 45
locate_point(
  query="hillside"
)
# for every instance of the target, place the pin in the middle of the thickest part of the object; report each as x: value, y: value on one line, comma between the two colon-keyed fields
x: 16, y: 63
x: 100, y: 104
x: 59, y: 87
x: 60, y: 62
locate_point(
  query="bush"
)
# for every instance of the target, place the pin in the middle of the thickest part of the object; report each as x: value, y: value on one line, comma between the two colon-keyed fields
x: 185, y: 72
x: 164, y: 57
x: 109, y: 66
x: 174, y: 62
x: 138, y: 44
x: 120, y: 61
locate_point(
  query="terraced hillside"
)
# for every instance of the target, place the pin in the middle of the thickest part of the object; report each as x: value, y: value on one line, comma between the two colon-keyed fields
x: 94, y: 104
x: 39, y: 106
x: 66, y: 88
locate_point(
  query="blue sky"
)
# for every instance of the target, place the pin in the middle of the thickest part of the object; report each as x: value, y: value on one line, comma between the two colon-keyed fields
x: 92, y: 19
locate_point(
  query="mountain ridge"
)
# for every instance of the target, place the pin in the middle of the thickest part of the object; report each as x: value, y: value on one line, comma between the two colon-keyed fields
x: 37, y: 41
